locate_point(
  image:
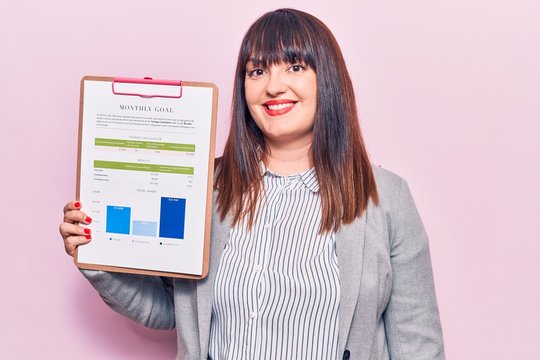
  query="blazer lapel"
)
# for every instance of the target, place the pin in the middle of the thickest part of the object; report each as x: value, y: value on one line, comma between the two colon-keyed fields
x: 350, y: 253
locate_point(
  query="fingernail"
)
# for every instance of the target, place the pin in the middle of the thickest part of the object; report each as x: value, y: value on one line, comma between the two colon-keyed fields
x: 88, y: 236
x: 77, y: 204
x: 87, y: 231
x: 88, y: 219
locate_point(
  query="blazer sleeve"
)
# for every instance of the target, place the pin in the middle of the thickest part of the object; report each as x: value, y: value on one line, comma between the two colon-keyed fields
x: 147, y: 300
x: 412, y: 325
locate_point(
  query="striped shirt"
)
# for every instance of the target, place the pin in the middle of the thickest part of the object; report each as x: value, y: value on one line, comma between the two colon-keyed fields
x: 277, y: 294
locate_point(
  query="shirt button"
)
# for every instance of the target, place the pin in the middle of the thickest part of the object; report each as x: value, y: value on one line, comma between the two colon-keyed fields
x: 253, y: 314
x: 267, y: 225
x: 258, y: 267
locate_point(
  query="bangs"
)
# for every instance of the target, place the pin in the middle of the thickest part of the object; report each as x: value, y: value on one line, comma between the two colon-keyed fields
x: 281, y: 37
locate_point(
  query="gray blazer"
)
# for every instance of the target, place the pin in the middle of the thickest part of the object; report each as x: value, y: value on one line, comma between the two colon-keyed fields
x: 388, y: 308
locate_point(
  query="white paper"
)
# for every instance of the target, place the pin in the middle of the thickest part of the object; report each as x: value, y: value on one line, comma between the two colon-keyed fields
x: 144, y: 177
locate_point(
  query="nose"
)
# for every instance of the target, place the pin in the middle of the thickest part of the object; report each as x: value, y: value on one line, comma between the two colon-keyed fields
x: 276, y: 84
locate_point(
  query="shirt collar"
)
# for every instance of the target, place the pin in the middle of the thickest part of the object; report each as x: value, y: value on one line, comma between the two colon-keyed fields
x: 308, y: 177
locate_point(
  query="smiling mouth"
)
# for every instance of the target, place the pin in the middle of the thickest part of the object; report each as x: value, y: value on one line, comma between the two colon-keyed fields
x: 276, y: 108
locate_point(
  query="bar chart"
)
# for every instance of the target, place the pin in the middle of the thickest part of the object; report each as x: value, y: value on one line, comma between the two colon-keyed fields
x: 170, y: 225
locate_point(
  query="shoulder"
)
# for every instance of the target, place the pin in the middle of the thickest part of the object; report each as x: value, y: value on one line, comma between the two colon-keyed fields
x: 389, y: 187
x: 396, y: 205
x: 386, y: 178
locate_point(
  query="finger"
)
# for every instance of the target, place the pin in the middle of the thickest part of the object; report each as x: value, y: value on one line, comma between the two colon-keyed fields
x: 72, y: 242
x: 72, y: 205
x: 68, y: 229
x: 77, y: 216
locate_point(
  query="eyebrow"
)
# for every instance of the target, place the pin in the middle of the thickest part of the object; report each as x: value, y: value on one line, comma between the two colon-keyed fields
x: 266, y: 62
x: 257, y: 61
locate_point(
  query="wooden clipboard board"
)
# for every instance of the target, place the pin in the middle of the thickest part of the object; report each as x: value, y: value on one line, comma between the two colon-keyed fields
x: 138, y: 139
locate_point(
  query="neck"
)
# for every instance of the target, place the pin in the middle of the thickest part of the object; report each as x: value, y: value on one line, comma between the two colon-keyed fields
x: 288, y: 160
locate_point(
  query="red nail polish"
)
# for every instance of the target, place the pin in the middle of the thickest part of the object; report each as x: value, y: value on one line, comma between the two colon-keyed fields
x: 77, y: 204
x: 87, y: 231
x: 88, y: 236
x: 88, y: 219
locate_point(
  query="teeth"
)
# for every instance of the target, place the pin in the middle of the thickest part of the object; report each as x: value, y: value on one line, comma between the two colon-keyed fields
x: 280, y: 106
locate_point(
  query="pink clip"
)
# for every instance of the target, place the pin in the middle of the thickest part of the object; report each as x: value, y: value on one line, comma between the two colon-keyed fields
x: 148, y: 81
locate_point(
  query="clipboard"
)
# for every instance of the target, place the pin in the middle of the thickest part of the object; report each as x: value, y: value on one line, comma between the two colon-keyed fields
x: 145, y: 169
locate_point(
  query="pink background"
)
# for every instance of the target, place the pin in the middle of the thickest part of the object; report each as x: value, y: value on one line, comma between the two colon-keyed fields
x: 449, y: 95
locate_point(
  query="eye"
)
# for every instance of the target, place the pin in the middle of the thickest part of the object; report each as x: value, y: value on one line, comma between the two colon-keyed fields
x: 297, y: 68
x: 255, y: 72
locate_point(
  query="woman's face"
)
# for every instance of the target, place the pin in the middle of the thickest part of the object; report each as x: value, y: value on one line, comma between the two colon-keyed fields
x: 282, y: 99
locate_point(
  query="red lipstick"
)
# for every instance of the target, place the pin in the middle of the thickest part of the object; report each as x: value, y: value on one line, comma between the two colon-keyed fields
x: 278, y: 107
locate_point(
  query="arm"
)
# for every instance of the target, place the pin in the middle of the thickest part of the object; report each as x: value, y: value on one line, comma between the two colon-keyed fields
x: 145, y: 299
x: 412, y: 324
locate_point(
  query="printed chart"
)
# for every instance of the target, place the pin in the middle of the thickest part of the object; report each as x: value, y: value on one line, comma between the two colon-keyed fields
x: 144, y: 178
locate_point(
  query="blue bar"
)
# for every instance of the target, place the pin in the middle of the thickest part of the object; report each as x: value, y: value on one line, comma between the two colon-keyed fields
x: 118, y: 219
x: 172, y: 218
x: 144, y: 228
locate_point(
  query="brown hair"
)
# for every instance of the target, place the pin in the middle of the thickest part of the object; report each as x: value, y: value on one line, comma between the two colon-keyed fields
x: 346, y: 181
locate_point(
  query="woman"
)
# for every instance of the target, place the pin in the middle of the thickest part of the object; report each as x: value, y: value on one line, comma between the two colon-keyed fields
x: 315, y: 254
